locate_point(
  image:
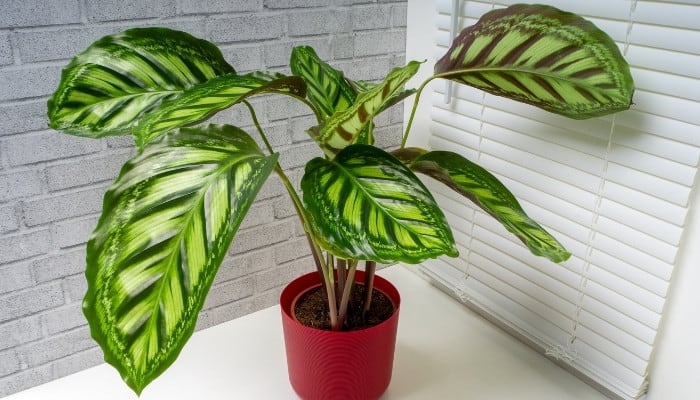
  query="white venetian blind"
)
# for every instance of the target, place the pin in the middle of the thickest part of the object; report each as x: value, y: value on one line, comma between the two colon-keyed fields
x: 613, y: 190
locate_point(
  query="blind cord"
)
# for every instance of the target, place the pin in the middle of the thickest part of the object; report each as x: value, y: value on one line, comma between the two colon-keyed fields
x: 461, y: 289
x: 570, y: 351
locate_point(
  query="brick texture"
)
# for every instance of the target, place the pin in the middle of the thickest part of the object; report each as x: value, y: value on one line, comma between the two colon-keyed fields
x: 52, y: 185
x: 100, y: 11
x: 32, y: 13
x: 6, y: 57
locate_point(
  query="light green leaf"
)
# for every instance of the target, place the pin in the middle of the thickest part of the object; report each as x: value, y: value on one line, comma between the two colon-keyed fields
x: 202, y: 101
x: 166, y: 225
x: 365, y: 204
x: 485, y: 190
x: 362, y: 86
x: 122, y: 77
x: 542, y: 56
x: 344, y: 127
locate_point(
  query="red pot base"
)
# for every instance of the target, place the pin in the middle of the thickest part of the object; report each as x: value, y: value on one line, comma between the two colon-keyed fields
x: 338, y: 365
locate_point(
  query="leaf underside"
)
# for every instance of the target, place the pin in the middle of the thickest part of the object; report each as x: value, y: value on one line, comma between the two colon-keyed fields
x: 108, y: 87
x: 485, y: 190
x: 365, y: 204
x: 167, y: 223
x: 542, y: 56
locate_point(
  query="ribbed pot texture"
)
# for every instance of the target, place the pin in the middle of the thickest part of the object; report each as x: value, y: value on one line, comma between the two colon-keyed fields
x: 327, y: 365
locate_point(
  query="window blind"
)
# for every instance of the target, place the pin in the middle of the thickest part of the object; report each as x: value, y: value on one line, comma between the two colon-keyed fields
x: 614, y: 190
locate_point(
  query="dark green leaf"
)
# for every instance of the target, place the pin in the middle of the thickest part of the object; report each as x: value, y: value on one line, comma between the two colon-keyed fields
x: 202, y: 101
x: 121, y: 77
x: 365, y: 204
x: 166, y: 225
x: 484, y: 189
x: 542, y: 56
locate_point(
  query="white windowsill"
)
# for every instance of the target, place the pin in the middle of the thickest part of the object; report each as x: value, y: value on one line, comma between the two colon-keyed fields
x: 443, y: 351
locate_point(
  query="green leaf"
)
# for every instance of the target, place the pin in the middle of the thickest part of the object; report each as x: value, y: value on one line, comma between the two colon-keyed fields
x: 202, y: 101
x: 121, y: 77
x: 344, y: 127
x: 366, y: 135
x: 328, y: 90
x: 365, y: 204
x: 542, y: 56
x: 166, y: 225
x: 480, y: 186
x: 362, y: 86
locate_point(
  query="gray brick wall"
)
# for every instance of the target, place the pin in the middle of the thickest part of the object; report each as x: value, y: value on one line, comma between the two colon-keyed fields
x: 51, y: 185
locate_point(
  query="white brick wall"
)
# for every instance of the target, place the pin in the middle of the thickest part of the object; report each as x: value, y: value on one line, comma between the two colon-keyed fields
x: 51, y: 184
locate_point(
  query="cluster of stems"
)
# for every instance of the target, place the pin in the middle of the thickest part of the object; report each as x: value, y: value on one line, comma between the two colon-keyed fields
x: 338, y: 275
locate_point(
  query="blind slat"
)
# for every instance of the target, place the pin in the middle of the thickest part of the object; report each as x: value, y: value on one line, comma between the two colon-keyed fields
x: 623, y: 296
x: 646, y: 203
x: 614, y: 190
x: 672, y: 62
x: 645, y: 279
x: 640, y: 221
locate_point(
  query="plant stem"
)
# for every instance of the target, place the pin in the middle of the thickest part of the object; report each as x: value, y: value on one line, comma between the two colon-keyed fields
x: 347, y: 289
x: 341, y: 269
x: 370, y: 132
x: 370, y: 268
x: 332, y: 305
x: 254, y: 117
x: 324, y: 269
x: 419, y: 91
x: 416, y: 99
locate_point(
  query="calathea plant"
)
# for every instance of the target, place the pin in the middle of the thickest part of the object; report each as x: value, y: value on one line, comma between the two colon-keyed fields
x: 172, y: 213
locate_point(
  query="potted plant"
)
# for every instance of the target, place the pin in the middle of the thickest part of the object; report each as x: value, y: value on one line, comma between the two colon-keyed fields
x: 172, y: 213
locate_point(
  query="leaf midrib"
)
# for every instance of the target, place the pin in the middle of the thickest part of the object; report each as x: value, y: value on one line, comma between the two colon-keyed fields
x: 133, y: 95
x: 457, y: 73
x: 358, y: 183
x: 178, y: 238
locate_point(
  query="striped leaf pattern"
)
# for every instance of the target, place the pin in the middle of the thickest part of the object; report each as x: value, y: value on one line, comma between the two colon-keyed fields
x: 365, y: 204
x: 362, y: 86
x: 166, y: 224
x: 328, y: 90
x: 485, y: 190
x: 542, y: 56
x: 122, y: 77
x: 343, y: 128
x: 202, y: 101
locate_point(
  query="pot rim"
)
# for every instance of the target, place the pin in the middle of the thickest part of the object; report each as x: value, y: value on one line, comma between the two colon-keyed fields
x: 288, y: 310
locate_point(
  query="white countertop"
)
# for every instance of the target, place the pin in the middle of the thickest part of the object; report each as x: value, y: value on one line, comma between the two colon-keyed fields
x: 443, y: 351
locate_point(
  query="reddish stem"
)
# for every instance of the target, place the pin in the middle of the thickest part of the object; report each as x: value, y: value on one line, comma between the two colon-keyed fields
x: 347, y: 289
x: 370, y: 268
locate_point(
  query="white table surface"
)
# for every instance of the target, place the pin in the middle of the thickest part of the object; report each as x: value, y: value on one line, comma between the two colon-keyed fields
x: 443, y: 351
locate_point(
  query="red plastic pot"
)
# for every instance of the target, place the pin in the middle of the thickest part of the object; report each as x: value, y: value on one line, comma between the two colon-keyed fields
x: 338, y: 365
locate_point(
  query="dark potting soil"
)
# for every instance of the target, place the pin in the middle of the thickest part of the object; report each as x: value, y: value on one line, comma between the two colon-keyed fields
x: 312, y: 309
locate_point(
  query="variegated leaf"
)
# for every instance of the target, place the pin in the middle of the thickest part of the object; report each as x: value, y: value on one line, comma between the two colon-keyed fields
x: 328, y: 90
x: 362, y: 86
x: 343, y: 128
x: 166, y: 225
x: 365, y: 204
x: 542, y: 56
x: 202, y: 101
x: 122, y: 77
x: 485, y: 190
